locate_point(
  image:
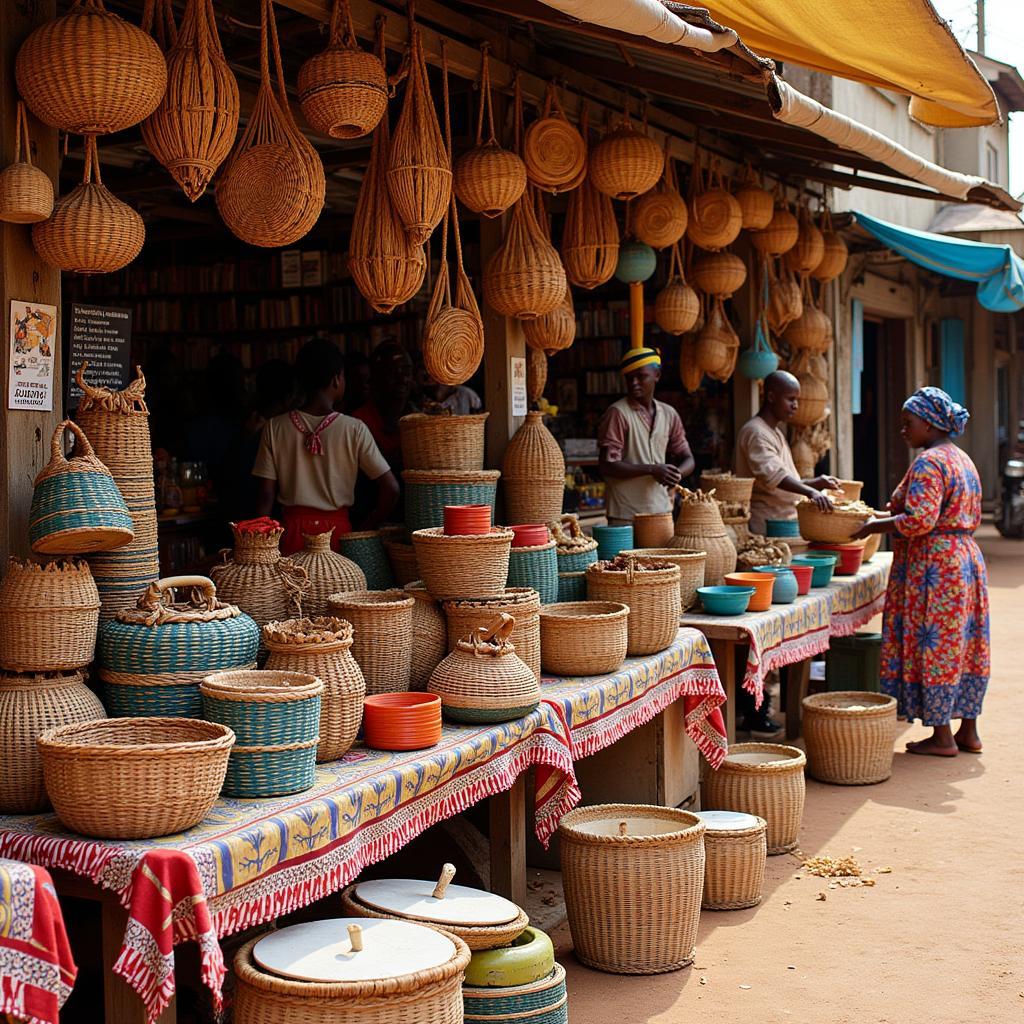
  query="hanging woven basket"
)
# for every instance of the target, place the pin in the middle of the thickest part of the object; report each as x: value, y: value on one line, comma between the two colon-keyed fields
x: 626, y: 163
x: 343, y: 90
x: 690, y: 372
x: 193, y: 129
x: 487, y: 178
x: 90, y: 72
x: 833, y: 261
x: 554, y: 151
x: 813, y: 405
x: 718, y: 273
x: 756, y: 203
x: 782, y: 231
x: 536, y: 374
x: 717, y: 344
x: 785, y: 296
x: 271, y: 190
x: 90, y: 231
x: 555, y: 331
x: 809, y: 248
x: 26, y: 192
x: 677, y: 306
x: 812, y: 330
x: 419, y: 175
x: 659, y: 217
x: 715, y: 216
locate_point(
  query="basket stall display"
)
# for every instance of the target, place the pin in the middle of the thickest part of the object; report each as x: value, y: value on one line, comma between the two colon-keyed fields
x: 329, y: 572
x: 522, y: 603
x: 382, y: 638
x: 849, y: 736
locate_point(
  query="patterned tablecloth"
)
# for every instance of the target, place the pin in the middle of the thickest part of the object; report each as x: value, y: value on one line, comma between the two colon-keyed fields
x: 856, y: 600
x: 600, y: 711
x: 36, y: 966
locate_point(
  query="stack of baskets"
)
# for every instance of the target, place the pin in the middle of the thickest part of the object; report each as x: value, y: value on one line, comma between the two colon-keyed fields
x: 575, y: 552
x: 733, y: 494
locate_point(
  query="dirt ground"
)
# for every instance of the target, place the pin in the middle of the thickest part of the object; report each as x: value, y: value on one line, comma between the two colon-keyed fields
x: 939, y: 939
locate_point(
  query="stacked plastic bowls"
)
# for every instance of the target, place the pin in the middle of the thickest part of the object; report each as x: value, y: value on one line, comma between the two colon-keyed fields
x: 850, y: 556
x: 823, y: 565
x: 464, y: 520
x: 401, y: 721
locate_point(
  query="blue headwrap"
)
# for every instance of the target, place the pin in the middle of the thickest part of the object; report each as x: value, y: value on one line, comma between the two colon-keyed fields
x: 934, y: 406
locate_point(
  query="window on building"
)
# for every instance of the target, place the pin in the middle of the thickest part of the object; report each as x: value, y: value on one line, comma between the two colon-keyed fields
x: 991, y: 162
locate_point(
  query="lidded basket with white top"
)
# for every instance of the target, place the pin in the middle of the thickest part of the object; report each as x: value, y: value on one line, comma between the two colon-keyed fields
x: 735, y: 851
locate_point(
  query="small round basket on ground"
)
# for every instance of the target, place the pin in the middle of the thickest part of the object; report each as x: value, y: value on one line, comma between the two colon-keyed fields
x: 849, y: 736
x: 735, y: 849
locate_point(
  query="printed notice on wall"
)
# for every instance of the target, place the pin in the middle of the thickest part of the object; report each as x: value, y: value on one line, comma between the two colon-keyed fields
x: 100, y: 336
x: 32, y: 340
x: 518, y: 375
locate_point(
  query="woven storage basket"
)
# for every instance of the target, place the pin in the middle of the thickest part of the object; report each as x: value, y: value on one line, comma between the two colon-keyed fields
x: 626, y: 163
x: 487, y: 178
x: 48, y: 616
x: 460, y: 567
x: 575, y: 549
x: 677, y: 306
x: 366, y: 549
x: 715, y: 216
x: 76, y: 506
x: 572, y: 586
x: 653, y: 529
x: 809, y: 249
x: 264, y: 585
x: 429, y: 635
x: 402, y: 558
x: 555, y: 331
x: 554, y: 151
x: 728, y: 488
x: 718, y: 273
x: 766, y: 779
x: 193, y: 129
x: 633, y: 877
x: 386, y: 266
x: 276, y: 720
x: 651, y: 592
x: 691, y: 569
x: 382, y: 637
x: 734, y: 865
x: 271, y: 188
x: 583, y: 638
x: 835, y: 527
x: 343, y: 89
x: 134, y: 778
x: 522, y: 603
x: 29, y: 706
x: 90, y: 72
x: 90, y: 230
x: 443, y: 441
x: 329, y: 573
x: 321, y: 647
x: 781, y: 233
x: 483, y: 679
x: 537, y: 569
x: 539, y: 1002
x: 153, y: 658
x: 431, y: 996
x: 756, y: 203
x: 659, y: 216
x: 590, y: 239
x: 699, y: 527
x: 26, y: 192
x: 849, y: 736
x: 427, y: 491
x: 533, y: 474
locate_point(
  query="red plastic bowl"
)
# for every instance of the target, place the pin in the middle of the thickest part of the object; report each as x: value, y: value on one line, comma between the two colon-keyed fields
x: 401, y: 721
x: 529, y: 535
x: 803, y: 574
x: 463, y: 520
x: 850, y: 556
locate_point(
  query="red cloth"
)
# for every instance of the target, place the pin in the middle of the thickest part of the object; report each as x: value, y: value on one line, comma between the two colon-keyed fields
x: 300, y: 520
x: 37, y: 969
x: 264, y: 525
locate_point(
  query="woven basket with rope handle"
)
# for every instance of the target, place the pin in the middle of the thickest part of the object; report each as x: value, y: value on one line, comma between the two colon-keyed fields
x: 677, y: 305
x: 556, y: 330
x: 756, y: 202
x: 659, y: 217
x: 26, y: 192
x: 554, y: 151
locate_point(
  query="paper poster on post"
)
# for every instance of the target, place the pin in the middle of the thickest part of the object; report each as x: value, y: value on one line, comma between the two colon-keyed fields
x: 518, y: 375
x: 33, y: 342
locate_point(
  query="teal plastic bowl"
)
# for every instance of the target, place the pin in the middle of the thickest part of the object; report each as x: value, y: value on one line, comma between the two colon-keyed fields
x: 725, y: 600
x: 782, y: 527
x: 824, y: 566
x: 786, y: 588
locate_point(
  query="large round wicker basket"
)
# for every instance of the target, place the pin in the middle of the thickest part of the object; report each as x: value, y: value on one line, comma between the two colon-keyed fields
x: 474, y: 565
x: 849, y: 736
x: 650, y: 589
x: 583, y: 638
x: 522, y: 603
x: 626, y: 163
x: 382, y: 643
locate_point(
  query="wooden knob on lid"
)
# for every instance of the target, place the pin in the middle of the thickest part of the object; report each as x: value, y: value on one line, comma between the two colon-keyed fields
x: 447, y: 874
x: 355, y: 936
x: 622, y: 828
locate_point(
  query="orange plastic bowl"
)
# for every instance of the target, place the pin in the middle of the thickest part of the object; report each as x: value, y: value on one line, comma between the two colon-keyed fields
x: 762, y: 582
x: 401, y: 721
x: 463, y: 520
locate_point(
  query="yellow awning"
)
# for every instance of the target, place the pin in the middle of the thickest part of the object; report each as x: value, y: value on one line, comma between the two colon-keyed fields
x: 896, y: 44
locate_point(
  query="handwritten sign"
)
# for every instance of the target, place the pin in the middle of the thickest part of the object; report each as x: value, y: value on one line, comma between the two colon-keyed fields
x: 100, y: 336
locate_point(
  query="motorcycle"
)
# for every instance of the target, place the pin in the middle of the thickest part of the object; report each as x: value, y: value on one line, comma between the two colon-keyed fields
x: 1010, y: 514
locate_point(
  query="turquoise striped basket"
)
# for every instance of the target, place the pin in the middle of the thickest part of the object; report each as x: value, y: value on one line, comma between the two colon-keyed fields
x: 541, y: 1002
x: 535, y: 567
x: 612, y: 539
x: 262, y: 772
x: 578, y: 560
x: 173, y: 701
x: 366, y: 549
x: 427, y: 491
x: 263, y: 723
x: 572, y: 586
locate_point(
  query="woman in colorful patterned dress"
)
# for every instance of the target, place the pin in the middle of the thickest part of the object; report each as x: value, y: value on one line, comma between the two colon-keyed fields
x: 935, y: 639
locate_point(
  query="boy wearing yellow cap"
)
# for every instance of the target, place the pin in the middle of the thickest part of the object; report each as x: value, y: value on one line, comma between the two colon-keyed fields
x: 643, y: 447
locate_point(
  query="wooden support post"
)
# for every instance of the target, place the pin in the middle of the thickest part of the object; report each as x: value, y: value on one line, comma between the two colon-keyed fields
x: 508, y: 842
x: 24, y: 435
x: 636, y: 314
x: 724, y: 652
x: 798, y: 680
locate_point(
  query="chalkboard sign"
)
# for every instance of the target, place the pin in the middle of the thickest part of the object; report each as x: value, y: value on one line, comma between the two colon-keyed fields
x: 102, y: 337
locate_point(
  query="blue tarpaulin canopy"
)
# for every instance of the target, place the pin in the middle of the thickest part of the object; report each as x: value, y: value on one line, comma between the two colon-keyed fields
x: 998, y: 270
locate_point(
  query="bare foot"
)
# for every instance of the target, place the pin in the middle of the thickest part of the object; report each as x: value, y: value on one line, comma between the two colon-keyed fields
x: 969, y: 743
x: 931, y: 748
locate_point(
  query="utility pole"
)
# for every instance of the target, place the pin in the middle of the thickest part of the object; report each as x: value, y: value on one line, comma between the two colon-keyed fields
x: 981, y: 26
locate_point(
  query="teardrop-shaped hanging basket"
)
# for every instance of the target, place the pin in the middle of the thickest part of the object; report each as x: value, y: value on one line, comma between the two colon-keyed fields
x: 26, y: 192
x: 555, y: 331
x: 785, y: 297
x: 343, y: 90
x: 626, y: 163
x: 659, y: 217
x: 812, y: 330
x: 554, y: 150
x: 677, y: 305
x: 91, y: 231
x: 193, y: 129
x: 90, y: 72
x: 715, y: 216
x: 718, y: 344
x: 809, y: 248
x: 756, y: 203
x: 690, y: 372
x: 833, y: 261
x: 271, y: 190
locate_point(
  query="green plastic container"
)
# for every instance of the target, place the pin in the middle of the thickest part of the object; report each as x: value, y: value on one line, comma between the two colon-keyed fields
x: 854, y: 662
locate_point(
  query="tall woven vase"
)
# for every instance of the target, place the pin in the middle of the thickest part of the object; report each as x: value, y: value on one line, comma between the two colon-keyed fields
x: 533, y: 474
x: 329, y: 573
x: 699, y: 527
x: 117, y: 424
x: 429, y: 636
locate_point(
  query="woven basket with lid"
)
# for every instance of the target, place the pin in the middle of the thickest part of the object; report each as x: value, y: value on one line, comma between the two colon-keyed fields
x: 321, y: 647
x: 651, y: 591
x: 735, y: 852
x: 382, y: 639
x: 329, y: 573
x: 522, y: 603
x: 429, y: 635
x: 699, y: 527
x: 29, y: 706
x: 533, y: 473
x: 26, y: 192
x: 849, y: 736
x: 483, y: 679
x: 443, y: 441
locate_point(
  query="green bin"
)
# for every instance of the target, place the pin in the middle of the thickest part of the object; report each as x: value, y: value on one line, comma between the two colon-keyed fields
x: 854, y: 662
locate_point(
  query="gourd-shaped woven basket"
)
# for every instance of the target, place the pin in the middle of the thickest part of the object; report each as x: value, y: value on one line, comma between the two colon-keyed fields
x: 483, y: 680
x: 90, y: 231
x: 626, y: 163
x: 343, y: 89
x: 813, y: 405
x: 785, y: 296
x: 554, y: 151
x: 193, y: 129
x: 329, y: 573
x: 756, y: 203
x: 556, y: 330
x: 429, y: 635
x: 533, y: 474
x: 443, y: 441
x: 718, y: 344
x: 718, y: 273
x: 26, y: 192
x: 691, y: 373
x: 699, y: 527
x: 809, y: 249
x: 659, y: 217
x: 715, y: 216
x: 812, y: 329
x: 382, y: 636
x: 90, y: 72
x: 271, y: 189
x: 781, y: 233
x: 677, y: 305
x: 522, y: 603
x: 650, y: 589
x: 321, y: 647
x: 836, y: 254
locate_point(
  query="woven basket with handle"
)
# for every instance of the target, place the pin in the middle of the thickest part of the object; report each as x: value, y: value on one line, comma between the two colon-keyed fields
x: 835, y: 255
x: 715, y: 216
x: 26, y: 192
x: 522, y: 603
x: 756, y: 203
x: 382, y: 641
x: 651, y: 591
x: 781, y: 232
x: 677, y: 305
x: 809, y: 250
x: 691, y: 569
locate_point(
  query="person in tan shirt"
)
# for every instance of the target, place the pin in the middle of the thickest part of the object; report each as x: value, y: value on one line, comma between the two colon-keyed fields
x: 762, y: 452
